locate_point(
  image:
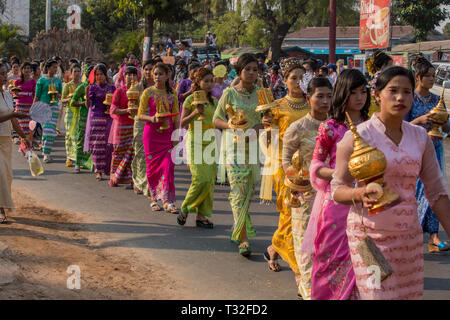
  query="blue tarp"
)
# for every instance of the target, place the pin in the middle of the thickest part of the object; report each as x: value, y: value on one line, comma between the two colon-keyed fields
x: 338, y: 51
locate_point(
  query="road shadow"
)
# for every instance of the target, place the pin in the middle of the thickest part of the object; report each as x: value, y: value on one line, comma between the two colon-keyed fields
x: 436, y: 284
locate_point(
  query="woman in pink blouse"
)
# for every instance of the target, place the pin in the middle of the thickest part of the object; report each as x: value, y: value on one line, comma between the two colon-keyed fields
x: 409, y: 155
x: 25, y: 99
x: 121, y: 135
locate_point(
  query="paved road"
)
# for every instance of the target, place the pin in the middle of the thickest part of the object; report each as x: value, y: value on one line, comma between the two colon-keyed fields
x: 206, y: 259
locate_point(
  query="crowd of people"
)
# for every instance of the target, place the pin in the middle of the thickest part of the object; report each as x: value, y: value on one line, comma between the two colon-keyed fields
x: 313, y: 116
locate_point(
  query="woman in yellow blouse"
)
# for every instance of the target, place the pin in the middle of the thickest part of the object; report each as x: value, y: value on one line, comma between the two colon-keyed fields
x: 290, y: 108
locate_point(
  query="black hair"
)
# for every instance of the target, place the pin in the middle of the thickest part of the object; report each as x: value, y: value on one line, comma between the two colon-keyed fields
x: 389, y: 73
x: 148, y: 62
x: 347, y: 81
x: 201, y: 74
x: 243, y: 61
x: 25, y: 64
x: 380, y: 59
x: 318, y: 82
x: 75, y: 65
x: 48, y: 64
x: 101, y: 67
x: 131, y: 69
x: 164, y: 67
x: 324, y: 69
x: 421, y: 66
x: 34, y: 66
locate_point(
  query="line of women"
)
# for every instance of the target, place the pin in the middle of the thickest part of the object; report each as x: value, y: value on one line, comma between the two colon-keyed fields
x: 319, y: 238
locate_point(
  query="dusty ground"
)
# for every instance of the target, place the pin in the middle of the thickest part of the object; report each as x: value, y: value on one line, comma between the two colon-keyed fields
x: 39, y: 244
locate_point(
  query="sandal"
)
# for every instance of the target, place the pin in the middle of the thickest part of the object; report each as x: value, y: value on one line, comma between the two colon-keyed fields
x: 273, y: 263
x: 204, y: 224
x: 181, y: 219
x: 137, y: 191
x: 98, y: 177
x: 442, y: 246
x: 69, y: 163
x: 171, y: 208
x: 155, y: 206
x: 4, y: 218
x: 77, y: 169
x: 244, y: 249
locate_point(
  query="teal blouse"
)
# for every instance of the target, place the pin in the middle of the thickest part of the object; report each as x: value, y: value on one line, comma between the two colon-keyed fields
x: 42, y: 88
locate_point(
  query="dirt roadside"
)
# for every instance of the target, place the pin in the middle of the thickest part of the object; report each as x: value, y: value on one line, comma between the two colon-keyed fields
x: 39, y: 244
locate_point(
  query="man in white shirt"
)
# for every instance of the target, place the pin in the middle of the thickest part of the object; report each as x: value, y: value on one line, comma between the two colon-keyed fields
x: 184, y: 52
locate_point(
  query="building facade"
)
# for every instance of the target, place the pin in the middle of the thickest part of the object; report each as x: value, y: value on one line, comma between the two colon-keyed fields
x: 18, y: 12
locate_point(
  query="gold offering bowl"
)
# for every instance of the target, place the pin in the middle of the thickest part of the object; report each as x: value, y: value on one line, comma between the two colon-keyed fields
x: 108, y: 102
x: 163, y: 117
x: 368, y: 164
x: 439, y: 115
x: 200, y: 98
x: 238, y: 120
x: 133, y: 97
x: 14, y: 89
x: 53, y: 92
x: 297, y: 179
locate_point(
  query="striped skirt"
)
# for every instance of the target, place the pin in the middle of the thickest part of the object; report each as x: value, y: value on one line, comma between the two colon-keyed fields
x: 24, y: 123
x: 122, y: 157
x: 70, y: 138
x: 98, y: 144
x: 49, y: 131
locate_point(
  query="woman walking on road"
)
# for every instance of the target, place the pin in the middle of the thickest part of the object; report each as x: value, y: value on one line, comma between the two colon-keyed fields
x: 200, y: 196
x: 8, y: 121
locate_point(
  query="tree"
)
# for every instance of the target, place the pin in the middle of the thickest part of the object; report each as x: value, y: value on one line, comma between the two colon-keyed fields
x: 37, y: 15
x: 10, y: 42
x: 447, y: 30
x: 230, y: 29
x: 125, y: 42
x: 423, y: 15
x: 151, y: 11
x: 278, y: 16
x: 101, y: 18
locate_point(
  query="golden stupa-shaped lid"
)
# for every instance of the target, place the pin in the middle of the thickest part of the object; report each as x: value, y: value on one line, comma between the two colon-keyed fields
x: 440, y: 112
x: 266, y: 100
x: 366, y: 162
x: 200, y: 97
x: 133, y: 91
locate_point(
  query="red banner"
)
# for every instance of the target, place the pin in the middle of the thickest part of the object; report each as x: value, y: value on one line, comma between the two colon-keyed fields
x: 374, y: 24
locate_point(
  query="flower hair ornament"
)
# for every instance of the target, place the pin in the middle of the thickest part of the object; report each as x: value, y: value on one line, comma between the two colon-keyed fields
x: 290, y: 64
x: 370, y: 64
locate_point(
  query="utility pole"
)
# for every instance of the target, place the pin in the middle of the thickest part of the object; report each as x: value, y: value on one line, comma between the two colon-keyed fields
x: 332, y: 40
x: 48, y: 15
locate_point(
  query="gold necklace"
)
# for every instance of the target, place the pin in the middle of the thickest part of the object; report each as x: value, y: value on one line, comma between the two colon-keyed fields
x: 295, y: 103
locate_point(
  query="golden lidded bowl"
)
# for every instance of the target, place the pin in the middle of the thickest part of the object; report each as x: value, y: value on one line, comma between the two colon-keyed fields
x: 368, y: 164
x: 439, y: 114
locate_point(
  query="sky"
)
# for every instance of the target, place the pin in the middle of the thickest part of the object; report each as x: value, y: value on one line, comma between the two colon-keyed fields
x: 443, y: 23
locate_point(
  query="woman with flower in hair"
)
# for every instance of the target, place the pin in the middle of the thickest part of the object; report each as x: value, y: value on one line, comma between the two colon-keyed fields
x: 377, y: 63
x: 289, y: 109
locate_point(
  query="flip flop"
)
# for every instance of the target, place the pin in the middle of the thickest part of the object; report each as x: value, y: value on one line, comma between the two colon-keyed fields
x: 204, y: 224
x: 155, y: 206
x: 181, y: 219
x: 244, y: 249
x: 272, y: 263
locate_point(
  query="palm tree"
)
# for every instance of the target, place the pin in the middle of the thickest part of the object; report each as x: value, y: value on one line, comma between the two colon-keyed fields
x: 10, y: 43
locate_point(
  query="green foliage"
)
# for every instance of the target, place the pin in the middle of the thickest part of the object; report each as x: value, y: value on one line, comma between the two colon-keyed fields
x: 447, y: 30
x: 37, y: 15
x: 318, y: 14
x: 423, y: 15
x: 256, y: 34
x: 230, y: 29
x: 10, y: 42
x: 101, y: 18
x: 128, y: 41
